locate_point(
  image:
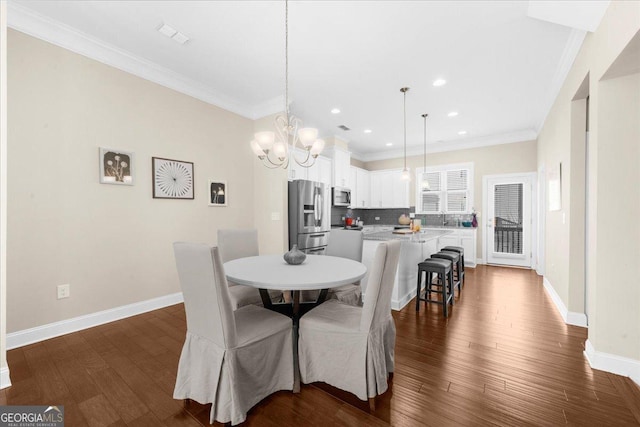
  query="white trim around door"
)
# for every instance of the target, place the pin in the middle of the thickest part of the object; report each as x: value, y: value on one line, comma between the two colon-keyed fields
x: 528, y: 258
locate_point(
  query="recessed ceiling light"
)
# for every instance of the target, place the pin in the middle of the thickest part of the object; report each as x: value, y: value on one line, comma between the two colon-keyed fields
x: 452, y: 114
x: 462, y: 132
x: 335, y: 111
x: 439, y: 82
x: 389, y: 144
x: 367, y: 131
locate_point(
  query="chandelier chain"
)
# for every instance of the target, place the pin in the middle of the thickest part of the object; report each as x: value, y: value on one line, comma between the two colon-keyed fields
x: 286, y: 60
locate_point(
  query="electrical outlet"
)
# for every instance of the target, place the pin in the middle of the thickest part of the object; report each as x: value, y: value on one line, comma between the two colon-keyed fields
x: 342, y: 218
x: 412, y: 215
x: 275, y: 216
x: 377, y: 218
x: 64, y: 291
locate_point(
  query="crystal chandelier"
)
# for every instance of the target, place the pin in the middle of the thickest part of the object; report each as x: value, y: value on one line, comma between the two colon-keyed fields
x: 275, y: 149
x: 406, y: 176
x: 425, y: 182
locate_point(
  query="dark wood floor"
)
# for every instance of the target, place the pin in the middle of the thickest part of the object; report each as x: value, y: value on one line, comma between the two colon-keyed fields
x: 504, y: 357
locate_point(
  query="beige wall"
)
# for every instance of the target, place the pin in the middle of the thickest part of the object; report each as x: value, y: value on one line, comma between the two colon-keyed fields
x: 3, y: 193
x: 358, y: 163
x: 111, y: 243
x: 614, y: 237
x: 271, y: 201
x: 496, y: 159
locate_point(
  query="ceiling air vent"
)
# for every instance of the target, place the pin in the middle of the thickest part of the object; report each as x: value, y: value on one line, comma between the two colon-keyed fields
x: 343, y: 127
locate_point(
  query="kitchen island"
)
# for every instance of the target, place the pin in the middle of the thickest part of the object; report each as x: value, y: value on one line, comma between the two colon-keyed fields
x: 414, y: 249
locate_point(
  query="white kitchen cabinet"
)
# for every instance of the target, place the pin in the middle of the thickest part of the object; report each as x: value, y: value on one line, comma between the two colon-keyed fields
x: 359, y: 180
x: 353, y: 180
x: 295, y: 170
x: 341, y: 168
x: 388, y: 190
x: 362, y: 184
x: 400, y: 190
x: 468, y: 242
x: 464, y: 237
x: 320, y: 171
x: 376, y: 189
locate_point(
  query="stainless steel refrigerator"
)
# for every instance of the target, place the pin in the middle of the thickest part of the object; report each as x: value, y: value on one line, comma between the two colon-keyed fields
x: 309, y: 224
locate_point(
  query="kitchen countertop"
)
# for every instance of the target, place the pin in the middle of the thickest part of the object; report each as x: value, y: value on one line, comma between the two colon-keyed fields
x: 420, y: 237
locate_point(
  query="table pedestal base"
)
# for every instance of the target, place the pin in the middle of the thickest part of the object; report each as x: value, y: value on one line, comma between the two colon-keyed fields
x: 295, y: 311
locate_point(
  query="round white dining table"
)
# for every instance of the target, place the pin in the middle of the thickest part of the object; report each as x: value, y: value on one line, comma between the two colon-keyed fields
x: 317, y: 272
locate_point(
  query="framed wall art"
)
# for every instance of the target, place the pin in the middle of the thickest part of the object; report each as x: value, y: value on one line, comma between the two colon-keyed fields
x: 218, y: 193
x: 172, y: 179
x: 116, y: 166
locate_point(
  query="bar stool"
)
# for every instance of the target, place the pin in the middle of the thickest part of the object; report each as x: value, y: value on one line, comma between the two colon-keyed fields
x: 454, y: 257
x: 460, y: 250
x: 443, y: 269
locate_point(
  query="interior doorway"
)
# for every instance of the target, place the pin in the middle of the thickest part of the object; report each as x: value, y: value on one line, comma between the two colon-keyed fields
x: 509, y: 221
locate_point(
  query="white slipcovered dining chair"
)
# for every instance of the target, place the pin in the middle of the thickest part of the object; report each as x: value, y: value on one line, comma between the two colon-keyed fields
x: 231, y: 359
x: 234, y: 244
x: 352, y: 348
x: 346, y: 244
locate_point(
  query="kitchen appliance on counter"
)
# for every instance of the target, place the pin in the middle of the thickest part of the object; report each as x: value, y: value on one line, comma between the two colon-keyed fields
x: 309, y: 226
x: 341, y: 196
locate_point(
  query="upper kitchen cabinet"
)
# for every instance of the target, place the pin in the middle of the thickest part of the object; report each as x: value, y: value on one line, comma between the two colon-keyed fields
x: 360, y: 196
x: 295, y: 170
x: 341, y: 168
x: 320, y: 171
x: 388, y: 190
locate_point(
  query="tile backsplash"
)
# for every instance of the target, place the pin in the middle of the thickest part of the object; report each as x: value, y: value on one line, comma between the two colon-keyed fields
x: 390, y: 216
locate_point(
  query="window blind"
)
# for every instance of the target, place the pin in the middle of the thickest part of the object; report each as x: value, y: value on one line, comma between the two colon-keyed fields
x: 457, y: 179
x: 430, y: 202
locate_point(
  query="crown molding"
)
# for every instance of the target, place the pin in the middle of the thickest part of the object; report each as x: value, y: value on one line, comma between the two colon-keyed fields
x: 267, y: 108
x: 42, y: 27
x: 461, y: 144
x: 569, y: 54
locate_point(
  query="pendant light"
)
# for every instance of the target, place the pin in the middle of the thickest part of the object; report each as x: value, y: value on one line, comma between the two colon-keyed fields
x: 424, y: 181
x: 406, y: 176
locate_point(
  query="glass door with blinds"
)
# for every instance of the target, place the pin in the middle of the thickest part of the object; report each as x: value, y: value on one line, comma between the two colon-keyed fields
x: 509, y: 221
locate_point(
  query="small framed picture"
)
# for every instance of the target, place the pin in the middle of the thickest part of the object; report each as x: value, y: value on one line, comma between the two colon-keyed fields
x: 172, y: 179
x: 116, y: 166
x: 218, y: 195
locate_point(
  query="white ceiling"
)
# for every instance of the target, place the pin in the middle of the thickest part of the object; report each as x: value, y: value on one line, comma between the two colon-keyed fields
x: 503, y: 68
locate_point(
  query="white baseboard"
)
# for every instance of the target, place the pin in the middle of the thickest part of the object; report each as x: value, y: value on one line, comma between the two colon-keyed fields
x: 569, y: 317
x: 399, y: 304
x: 611, y: 363
x: 576, y: 319
x: 5, y: 380
x: 51, y: 330
x: 479, y: 261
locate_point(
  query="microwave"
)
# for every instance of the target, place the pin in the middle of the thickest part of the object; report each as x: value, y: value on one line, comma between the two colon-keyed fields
x: 341, y: 196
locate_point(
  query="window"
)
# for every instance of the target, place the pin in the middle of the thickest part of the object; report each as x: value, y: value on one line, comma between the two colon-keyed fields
x: 450, y: 189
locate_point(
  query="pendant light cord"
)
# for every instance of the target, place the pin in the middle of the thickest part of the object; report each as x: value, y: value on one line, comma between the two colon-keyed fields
x: 424, y: 165
x: 405, y: 128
